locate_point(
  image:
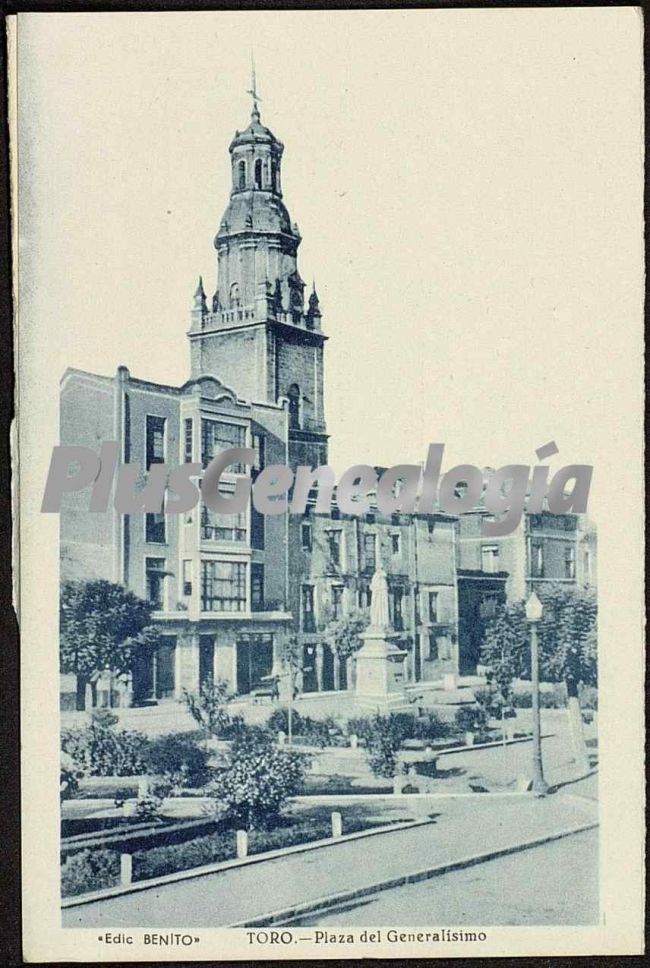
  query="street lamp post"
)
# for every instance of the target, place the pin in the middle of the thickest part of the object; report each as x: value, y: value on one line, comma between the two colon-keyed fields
x: 533, y: 616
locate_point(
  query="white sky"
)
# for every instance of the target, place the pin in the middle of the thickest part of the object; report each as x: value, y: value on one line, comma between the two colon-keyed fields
x: 467, y: 184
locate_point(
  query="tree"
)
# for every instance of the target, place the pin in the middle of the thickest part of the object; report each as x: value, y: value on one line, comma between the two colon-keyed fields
x: 568, y: 647
x: 343, y: 634
x: 210, y: 707
x: 569, y: 650
x: 101, y: 626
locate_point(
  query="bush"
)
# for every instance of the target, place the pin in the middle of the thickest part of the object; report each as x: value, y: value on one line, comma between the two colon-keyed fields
x: 178, y: 758
x: 431, y: 727
x: 471, y: 719
x: 209, y: 707
x: 90, y: 870
x: 258, y: 779
x: 177, y: 857
x: 101, y: 750
x: 316, y: 732
x: 70, y: 776
x: 549, y: 699
x: 383, y: 738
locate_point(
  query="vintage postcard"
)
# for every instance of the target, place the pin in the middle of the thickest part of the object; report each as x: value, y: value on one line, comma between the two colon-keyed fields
x: 329, y: 333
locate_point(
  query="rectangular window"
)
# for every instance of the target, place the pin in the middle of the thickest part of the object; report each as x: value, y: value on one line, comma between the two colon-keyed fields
x: 187, y: 442
x: 569, y: 561
x: 365, y: 596
x: 257, y: 529
x: 222, y: 527
x: 257, y: 587
x: 333, y: 539
x: 395, y: 543
x: 398, y: 614
x: 537, y: 559
x: 308, y: 620
x: 433, y: 647
x: 155, y: 575
x: 155, y: 528
x: 217, y: 436
x: 306, y: 536
x: 490, y: 558
x: 432, y: 610
x: 337, y: 602
x: 223, y: 586
x: 369, y: 552
x: 258, y: 447
x: 155, y: 443
x: 431, y: 527
x: 187, y: 577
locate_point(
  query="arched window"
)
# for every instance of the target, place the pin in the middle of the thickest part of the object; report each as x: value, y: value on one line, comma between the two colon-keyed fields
x: 258, y: 173
x: 241, y: 174
x: 274, y: 184
x: 294, y: 405
x: 234, y: 295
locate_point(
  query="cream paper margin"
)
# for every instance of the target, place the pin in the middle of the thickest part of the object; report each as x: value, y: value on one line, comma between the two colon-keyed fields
x: 616, y: 451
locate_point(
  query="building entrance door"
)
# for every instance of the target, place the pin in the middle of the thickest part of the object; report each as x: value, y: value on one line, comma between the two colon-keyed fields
x: 328, y: 669
x: 154, y: 672
x: 206, y: 659
x: 309, y: 680
x: 254, y: 661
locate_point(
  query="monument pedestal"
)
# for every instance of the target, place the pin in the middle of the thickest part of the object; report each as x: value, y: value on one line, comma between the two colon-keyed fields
x: 380, y: 672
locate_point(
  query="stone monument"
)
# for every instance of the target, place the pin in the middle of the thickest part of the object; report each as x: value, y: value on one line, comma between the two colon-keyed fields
x: 380, y: 664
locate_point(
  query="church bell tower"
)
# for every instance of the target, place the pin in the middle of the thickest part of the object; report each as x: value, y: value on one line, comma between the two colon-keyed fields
x: 261, y: 336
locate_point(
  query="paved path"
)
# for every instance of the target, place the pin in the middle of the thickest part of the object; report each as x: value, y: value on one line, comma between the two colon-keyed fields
x: 463, y: 826
x: 554, y: 884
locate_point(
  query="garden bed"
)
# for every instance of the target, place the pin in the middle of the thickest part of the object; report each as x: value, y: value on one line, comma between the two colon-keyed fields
x: 92, y: 870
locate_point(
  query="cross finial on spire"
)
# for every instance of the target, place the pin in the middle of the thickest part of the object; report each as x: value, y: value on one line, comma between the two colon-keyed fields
x: 253, y: 88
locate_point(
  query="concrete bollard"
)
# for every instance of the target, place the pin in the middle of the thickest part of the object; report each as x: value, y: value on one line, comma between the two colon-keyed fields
x: 242, y: 843
x: 126, y: 868
x: 337, y: 825
x: 354, y: 741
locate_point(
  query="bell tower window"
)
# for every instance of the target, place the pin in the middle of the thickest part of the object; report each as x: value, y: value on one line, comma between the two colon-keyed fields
x: 234, y: 296
x: 258, y: 173
x: 241, y: 175
x: 294, y: 406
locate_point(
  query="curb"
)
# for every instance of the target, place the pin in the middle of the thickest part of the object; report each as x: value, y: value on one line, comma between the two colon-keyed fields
x: 287, y: 915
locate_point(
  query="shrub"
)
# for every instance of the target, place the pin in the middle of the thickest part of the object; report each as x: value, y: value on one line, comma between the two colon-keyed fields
x: 101, y: 750
x: 90, y: 870
x: 70, y: 776
x: 471, y: 719
x: 431, y: 727
x: 316, y: 732
x: 258, y: 779
x: 177, y: 857
x: 383, y: 740
x: 178, y: 758
x: 209, y: 707
x: 551, y: 699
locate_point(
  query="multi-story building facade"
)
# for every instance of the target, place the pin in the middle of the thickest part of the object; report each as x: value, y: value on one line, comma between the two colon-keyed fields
x: 229, y: 590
